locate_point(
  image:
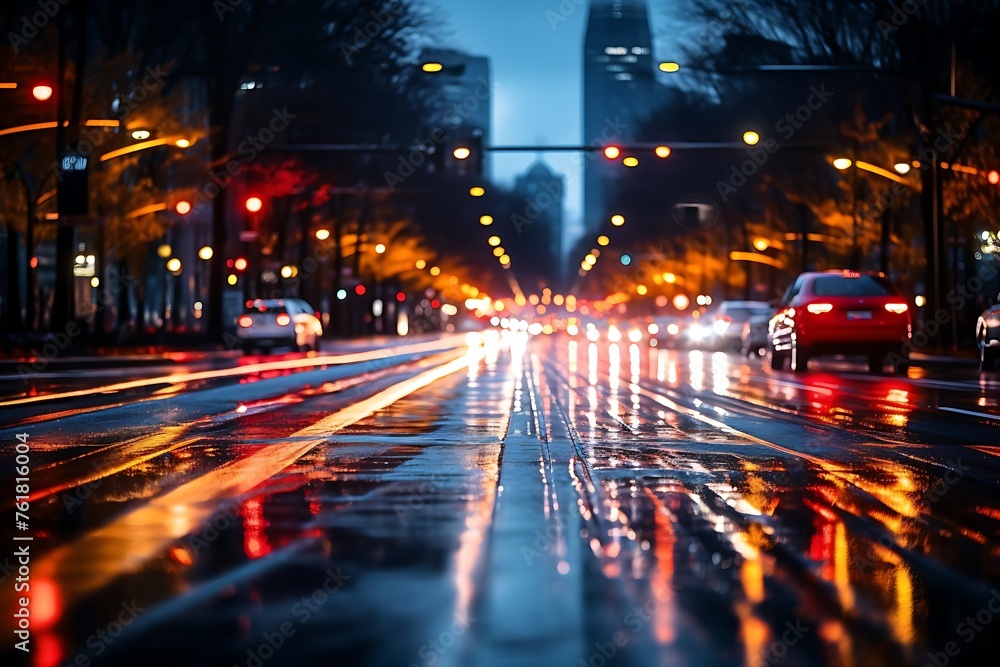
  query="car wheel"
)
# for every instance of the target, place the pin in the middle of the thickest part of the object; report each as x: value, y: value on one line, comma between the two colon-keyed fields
x: 800, y: 358
x: 987, y: 357
x: 875, y: 363
x: 901, y: 367
x: 776, y: 359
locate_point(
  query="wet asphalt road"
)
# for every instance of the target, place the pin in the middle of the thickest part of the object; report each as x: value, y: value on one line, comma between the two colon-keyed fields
x: 551, y: 502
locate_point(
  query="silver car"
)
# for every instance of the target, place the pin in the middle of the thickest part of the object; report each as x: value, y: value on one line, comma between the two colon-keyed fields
x: 270, y: 323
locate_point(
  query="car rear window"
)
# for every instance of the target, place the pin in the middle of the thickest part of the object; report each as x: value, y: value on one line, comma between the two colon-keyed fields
x: 746, y: 313
x: 265, y: 308
x: 846, y: 286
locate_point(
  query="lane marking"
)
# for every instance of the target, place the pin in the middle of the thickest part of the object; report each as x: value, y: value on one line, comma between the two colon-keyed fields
x: 288, y: 364
x: 970, y: 412
x: 128, y: 542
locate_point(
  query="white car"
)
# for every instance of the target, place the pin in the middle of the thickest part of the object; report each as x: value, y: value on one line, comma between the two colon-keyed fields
x: 270, y: 323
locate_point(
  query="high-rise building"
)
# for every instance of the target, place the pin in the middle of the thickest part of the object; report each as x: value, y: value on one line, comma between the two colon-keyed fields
x: 539, y: 241
x: 461, y: 98
x: 618, y: 91
x: 543, y: 189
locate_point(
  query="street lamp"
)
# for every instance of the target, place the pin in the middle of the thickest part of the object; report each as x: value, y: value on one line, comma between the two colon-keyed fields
x: 140, y: 135
x: 477, y: 191
x: 41, y: 93
x: 206, y: 253
x: 618, y: 220
x: 486, y: 220
x: 761, y: 244
x: 254, y: 204
x: 901, y: 168
x: 669, y: 67
x: 662, y: 152
x: 612, y: 152
x: 842, y: 163
x: 631, y: 162
x: 380, y: 249
x: 750, y: 138
x: 461, y: 153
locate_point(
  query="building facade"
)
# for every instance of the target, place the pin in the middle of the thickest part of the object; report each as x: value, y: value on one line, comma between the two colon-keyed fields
x: 461, y: 99
x: 618, y: 92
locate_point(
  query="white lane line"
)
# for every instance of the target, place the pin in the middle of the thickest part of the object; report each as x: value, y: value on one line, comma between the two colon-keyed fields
x: 970, y: 412
x: 129, y: 541
x: 287, y: 364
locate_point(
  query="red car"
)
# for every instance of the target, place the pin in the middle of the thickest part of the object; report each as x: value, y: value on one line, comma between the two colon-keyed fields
x: 840, y: 312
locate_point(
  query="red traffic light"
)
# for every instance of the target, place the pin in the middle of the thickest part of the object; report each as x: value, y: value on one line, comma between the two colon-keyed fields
x: 360, y: 290
x: 254, y: 204
x: 401, y: 296
x: 993, y: 176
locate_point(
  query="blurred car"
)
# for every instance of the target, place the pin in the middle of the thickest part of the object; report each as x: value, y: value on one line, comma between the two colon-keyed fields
x: 840, y: 312
x: 753, y: 337
x: 721, y: 329
x: 270, y: 323
x: 669, y: 331
x: 988, y: 337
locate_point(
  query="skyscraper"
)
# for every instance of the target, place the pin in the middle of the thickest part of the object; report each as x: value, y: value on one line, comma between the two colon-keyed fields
x: 462, y: 97
x: 542, y: 188
x: 618, y: 90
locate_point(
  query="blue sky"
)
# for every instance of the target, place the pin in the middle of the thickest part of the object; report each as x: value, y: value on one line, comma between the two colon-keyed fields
x: 537, y: 74
x: 536, y: 54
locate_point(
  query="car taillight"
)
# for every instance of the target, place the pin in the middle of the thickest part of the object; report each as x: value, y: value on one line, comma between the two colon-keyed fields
x: 817, y: 308
x: 283, y: 320
x: 898, y: 308
x: 245, y: 321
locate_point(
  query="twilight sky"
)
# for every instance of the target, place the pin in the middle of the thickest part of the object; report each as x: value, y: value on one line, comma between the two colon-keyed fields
x: 537, y: 77
x: 536, y: 56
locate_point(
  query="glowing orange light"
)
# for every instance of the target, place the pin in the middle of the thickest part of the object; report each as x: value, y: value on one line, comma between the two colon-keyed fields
x: 612, y: 152
x: 45, y: 605
x: 181, y: 555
